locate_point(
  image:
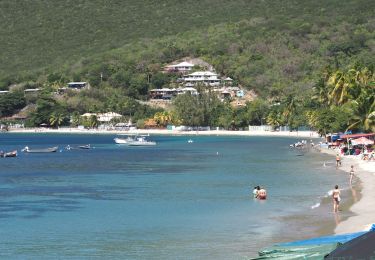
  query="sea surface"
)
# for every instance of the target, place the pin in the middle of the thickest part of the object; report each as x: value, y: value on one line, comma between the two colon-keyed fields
x: 177, y: 200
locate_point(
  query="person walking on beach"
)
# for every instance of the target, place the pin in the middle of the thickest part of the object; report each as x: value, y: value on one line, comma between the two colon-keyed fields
x: 351, y: 173
x: 336, y: 198
x: 338, y: 160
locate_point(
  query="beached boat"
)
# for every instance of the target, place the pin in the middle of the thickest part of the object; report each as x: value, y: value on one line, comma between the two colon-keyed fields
x: 141, y: 141
x: 40, y: 150
x: 9, y: 154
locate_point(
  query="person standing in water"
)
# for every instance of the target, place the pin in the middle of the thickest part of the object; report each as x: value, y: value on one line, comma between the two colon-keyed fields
x: 351, y: 173
x: 255, y: 191
x: 338, y: 160
x: 336, y: 198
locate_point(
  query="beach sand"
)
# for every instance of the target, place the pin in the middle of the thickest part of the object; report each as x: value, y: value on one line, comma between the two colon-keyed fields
x: 364, y: 209
x: 302, y: 134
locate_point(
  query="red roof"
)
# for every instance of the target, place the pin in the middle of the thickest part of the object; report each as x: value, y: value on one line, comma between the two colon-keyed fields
x: 356, y: 135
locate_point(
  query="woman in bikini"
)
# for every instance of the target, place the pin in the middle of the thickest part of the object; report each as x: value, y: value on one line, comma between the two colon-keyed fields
x: 336, y: 198
x: 351, y: 174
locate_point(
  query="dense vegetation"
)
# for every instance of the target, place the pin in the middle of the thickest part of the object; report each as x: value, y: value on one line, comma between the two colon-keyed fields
x: 284, y: 50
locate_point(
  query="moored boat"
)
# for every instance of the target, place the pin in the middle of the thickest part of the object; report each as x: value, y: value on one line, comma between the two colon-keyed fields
x: 141, y: 141
x: 9, y: 154
x: 126, y: 140
x: 40, y: 150
x: 79, y: 147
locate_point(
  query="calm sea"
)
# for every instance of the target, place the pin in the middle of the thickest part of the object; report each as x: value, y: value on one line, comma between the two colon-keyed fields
x: 177, y: 200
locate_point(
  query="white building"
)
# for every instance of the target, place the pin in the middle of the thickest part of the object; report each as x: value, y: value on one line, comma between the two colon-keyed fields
x: 181, y: 67
x: 103, y: 117
x: 206, y: 78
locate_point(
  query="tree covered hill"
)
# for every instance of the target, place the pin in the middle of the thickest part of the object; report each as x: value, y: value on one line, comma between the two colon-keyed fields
x: 47, y: 34
x: 314, y: 60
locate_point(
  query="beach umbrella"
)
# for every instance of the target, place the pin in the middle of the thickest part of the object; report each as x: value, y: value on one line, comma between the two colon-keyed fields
x: 362, y: 247
x: 363, y: 141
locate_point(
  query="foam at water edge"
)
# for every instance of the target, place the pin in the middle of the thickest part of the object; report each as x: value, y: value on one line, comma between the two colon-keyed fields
x: 315, y: 205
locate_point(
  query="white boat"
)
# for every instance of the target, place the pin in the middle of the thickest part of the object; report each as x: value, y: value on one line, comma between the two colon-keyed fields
x: 40, y: 150
x: 127, y: 140
x: 141, y: 141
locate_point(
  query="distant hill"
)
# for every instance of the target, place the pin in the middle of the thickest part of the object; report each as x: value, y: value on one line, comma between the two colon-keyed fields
x: 39, y: 33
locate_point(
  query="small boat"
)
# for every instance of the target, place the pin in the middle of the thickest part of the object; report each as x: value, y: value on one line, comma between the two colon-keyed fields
x: 141, y: 141
x: 190, y: 141
x: 87, y: 146
x: 40, y: 150
x: 79, y: 147
x: 9, y: 154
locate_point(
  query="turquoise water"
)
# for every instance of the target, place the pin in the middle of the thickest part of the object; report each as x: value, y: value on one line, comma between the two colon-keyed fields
x: 177, y: 200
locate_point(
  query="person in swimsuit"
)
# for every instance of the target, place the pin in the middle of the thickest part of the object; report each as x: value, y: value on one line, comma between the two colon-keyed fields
x: 255, y: 192
x: 351, y: 174
x: 336, y: 198
x: 262, y: 194
x: 338, y: 160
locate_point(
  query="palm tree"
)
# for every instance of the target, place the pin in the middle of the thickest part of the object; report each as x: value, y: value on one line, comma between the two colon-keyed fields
x: 364, y: 111
x: 93, y: 121
x: 321, y: 91
x: 56, y: 119
x: 339, y: 85
x: 75, y: 119
x: 346, y: 86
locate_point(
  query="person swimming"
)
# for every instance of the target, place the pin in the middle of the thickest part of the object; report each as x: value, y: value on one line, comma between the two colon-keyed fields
x: 255, y: 192
x: 262, y: 194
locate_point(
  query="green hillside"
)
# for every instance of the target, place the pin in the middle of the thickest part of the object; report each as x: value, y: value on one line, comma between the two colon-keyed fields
x: 313, y: 58
x: 48, y: 33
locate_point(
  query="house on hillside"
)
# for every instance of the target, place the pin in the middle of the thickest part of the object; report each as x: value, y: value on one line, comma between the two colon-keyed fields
x: 206, y: 78
x: 169, y: 93
x: 182, y: 67
x: 78, y: 85
x: 31, y: 92
x: 103, y: 117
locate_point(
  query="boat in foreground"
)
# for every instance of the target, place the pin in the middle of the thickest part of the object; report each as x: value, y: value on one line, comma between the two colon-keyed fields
x: 8, y: 154
x: 127, y: 140
x: 40, y: 150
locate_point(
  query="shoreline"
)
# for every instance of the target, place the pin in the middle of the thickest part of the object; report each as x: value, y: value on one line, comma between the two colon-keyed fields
x: 364, y: 209
x: 304, y: 134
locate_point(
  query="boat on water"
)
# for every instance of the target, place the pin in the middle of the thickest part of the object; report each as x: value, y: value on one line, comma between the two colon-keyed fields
x: 126, y: 140
x: 141, y: 141
x: 8, y: 154
x: 79, y: 147
x: 40, y: 150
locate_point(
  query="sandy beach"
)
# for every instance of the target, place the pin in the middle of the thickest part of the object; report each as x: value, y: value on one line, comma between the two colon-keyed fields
x: 302, y: 134
x: 364, y: 209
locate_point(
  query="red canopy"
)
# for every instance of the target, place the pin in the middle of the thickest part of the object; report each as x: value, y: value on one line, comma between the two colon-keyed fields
x: 362, y: 140
x: 356, y: 135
